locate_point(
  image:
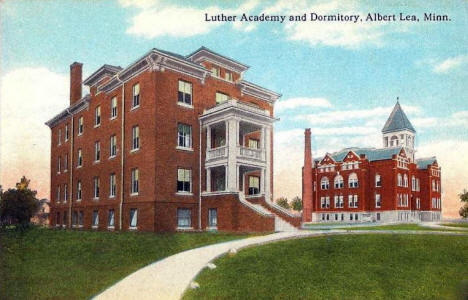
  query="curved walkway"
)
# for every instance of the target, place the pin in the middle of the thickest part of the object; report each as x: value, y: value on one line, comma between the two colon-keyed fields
x: 169, y: 277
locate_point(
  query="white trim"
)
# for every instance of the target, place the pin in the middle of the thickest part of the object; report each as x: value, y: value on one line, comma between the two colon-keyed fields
x: 134, y: 107
x: 134, y: 150
x: 181, y: 193
x: 184, y: 228
x: 185, y: 105
x: 134, y: 194
x: 184, y: 148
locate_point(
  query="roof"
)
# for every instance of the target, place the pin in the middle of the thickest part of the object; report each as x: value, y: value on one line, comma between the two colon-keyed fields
x: 422, y: 163
x: 204, y: 53
x: 372, y: 154
x: 101, y: 72
x: 397, y: 121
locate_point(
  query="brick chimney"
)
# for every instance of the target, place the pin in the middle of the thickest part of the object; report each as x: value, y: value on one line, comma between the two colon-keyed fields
x: 75, y: 81
x: 307, y: 189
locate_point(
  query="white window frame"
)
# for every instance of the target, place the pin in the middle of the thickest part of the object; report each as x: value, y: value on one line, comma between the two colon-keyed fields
x: 185, y: 89
x: 80, y: 125
x: 378, y: 180
x: 113, y: 105
x: 135, y: 182
x: 79, y: 191
x: 182, y: 175
x: 184, y: 139
x: 95, y: 221
x: 97, y: 116
x: 324, y: 183
x: 136, y: 96
x: 111, y: 218
x: 96, y: 188
x: 97, y: 151
x: 112, y: 185
x: 184, y: 218
x: 221, y: 97
x: 67, y: 133
x: 135, y: 138
x: 338, y: 182
x: 353, y: 181
x: 133, y: 218
x: 80, y: 158
x: 378, y: 201
x: 65, y: 193
x: 59, y: 134
x: 113, y: 146
x: 212, y: 217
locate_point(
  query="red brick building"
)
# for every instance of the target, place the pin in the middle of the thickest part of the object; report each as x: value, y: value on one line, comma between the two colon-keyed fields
x: 368, y: 184
x: 168, y: 143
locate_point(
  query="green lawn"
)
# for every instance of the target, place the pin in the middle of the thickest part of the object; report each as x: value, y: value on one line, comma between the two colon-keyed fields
x: 342, y: 267
x: 62, y: 264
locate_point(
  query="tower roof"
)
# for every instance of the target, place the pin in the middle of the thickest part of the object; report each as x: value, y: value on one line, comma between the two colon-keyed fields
x: 397, y: 121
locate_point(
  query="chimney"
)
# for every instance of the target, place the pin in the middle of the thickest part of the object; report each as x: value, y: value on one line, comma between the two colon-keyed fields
x: 75, y: 81
x: 307, y: 180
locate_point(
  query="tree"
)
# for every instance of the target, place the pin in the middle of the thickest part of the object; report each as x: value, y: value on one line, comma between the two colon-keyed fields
x: 17, y: 206
x: 464, y: 199
x: 283, y: 202
x: 296, y: 203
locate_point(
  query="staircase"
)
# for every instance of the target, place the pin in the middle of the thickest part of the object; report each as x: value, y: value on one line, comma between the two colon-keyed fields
x: 280, y: 223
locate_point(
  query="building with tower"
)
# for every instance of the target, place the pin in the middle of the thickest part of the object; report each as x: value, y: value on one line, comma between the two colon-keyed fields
x: 367, y: 184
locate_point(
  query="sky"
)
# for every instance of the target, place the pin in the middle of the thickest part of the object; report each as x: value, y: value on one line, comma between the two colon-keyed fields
x: 341, y: 79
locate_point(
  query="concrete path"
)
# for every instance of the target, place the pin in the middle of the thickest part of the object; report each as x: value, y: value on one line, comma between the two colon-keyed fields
x: 170, y: 277
x: 437, y: 225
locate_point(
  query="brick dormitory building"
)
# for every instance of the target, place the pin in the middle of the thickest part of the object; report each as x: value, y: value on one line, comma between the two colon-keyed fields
x: 168, y: 143
x: 368, y: 184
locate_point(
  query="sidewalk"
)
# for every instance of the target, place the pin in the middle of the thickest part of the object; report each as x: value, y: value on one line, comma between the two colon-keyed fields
x: 168, y: 278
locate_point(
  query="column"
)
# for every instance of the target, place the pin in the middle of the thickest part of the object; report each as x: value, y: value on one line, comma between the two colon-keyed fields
x: 232, y: 136
x: 268, y: 163
x: 208, y: 179
x: 208, y: 137
x: 263, y: 183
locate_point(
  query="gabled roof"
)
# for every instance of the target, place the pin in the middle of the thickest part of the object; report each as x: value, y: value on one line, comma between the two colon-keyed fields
x: 397, y: 121
x: 422, y: 163
x: 204, y: 53
x: 371, y: 154
x: 108, y: 70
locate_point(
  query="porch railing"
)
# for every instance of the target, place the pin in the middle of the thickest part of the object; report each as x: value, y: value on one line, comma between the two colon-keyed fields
x: 219, y: 152
x: 247, y: 152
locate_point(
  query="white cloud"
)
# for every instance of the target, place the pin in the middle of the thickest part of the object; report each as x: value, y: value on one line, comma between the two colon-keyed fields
x: 337, y: 34
x: 364, y: 115
x: 301, y: 102
x: 160, y: 18
x: 449, y: 64
x: 458, y: 119
x: 29, y: 97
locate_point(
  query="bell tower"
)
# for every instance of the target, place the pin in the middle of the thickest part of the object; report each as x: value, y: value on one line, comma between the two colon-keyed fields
x: 398, y: 131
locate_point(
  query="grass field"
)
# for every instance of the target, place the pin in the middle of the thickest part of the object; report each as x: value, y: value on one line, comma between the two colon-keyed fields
x: 62, y: 264
x: 397, y: 227
x: 342, y: 267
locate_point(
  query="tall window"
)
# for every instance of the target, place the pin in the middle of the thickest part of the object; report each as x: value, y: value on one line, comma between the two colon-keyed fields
x: 353, y: 201
x: 400, y: 180
x: 377, y: 200
x: 96, y: 187
x: 97, y: 116
x: 212, y: 217
x: 80, y: 158
x: 378, y: 181
x: 184, y: 136
x: 59, y: 136
x: 58, y: 194
x: 112, y: 186
x: 65, y: 218
x: 215, y: 71
x: 78, y: 190
x: 228, y: 76
x: 80, y: 125
x: 353, y: 180
x: 135, y: 182
x: 65, y: 192
x: 59, y: 160
x: 74, y: 218
x: 405, y: 180
x: 184, y: 218
x: 184, y: 180
x: 185, y: 92
x: 80, y: 218
x: 413, y: 183
x: 325, y: 183
x: 339, y: 182
x: 133, y: 217
x: 114, y: 107
x: 253, y: 143
x: 254, y: 185
x: 433, y: 185
x: 135, y: 138
x: 95, y: 218
x: 220, y: 98
x: 67, y: 133
x: 110, y: 218
x: 113, y: 146
x: 65, y: 163
x: 97, y: 151
x: 339, y: 201
x: 136, y: 96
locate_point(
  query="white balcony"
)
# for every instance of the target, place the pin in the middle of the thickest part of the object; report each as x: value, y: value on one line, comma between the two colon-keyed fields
x: 216, y: 153
x: 250, y: 153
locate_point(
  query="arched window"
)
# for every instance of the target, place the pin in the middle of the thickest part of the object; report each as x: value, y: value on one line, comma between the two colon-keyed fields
x: 405, y: 179
x: 394, y: 141
x: 353, y: 180
x: 400, y: 180
x: 413, y: 183
x: 339, y: 182
x: 378, y: 181
x: 325, y: 183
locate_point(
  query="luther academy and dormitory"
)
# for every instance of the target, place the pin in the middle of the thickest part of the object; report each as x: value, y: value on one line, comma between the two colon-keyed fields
x: 175, y: 143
